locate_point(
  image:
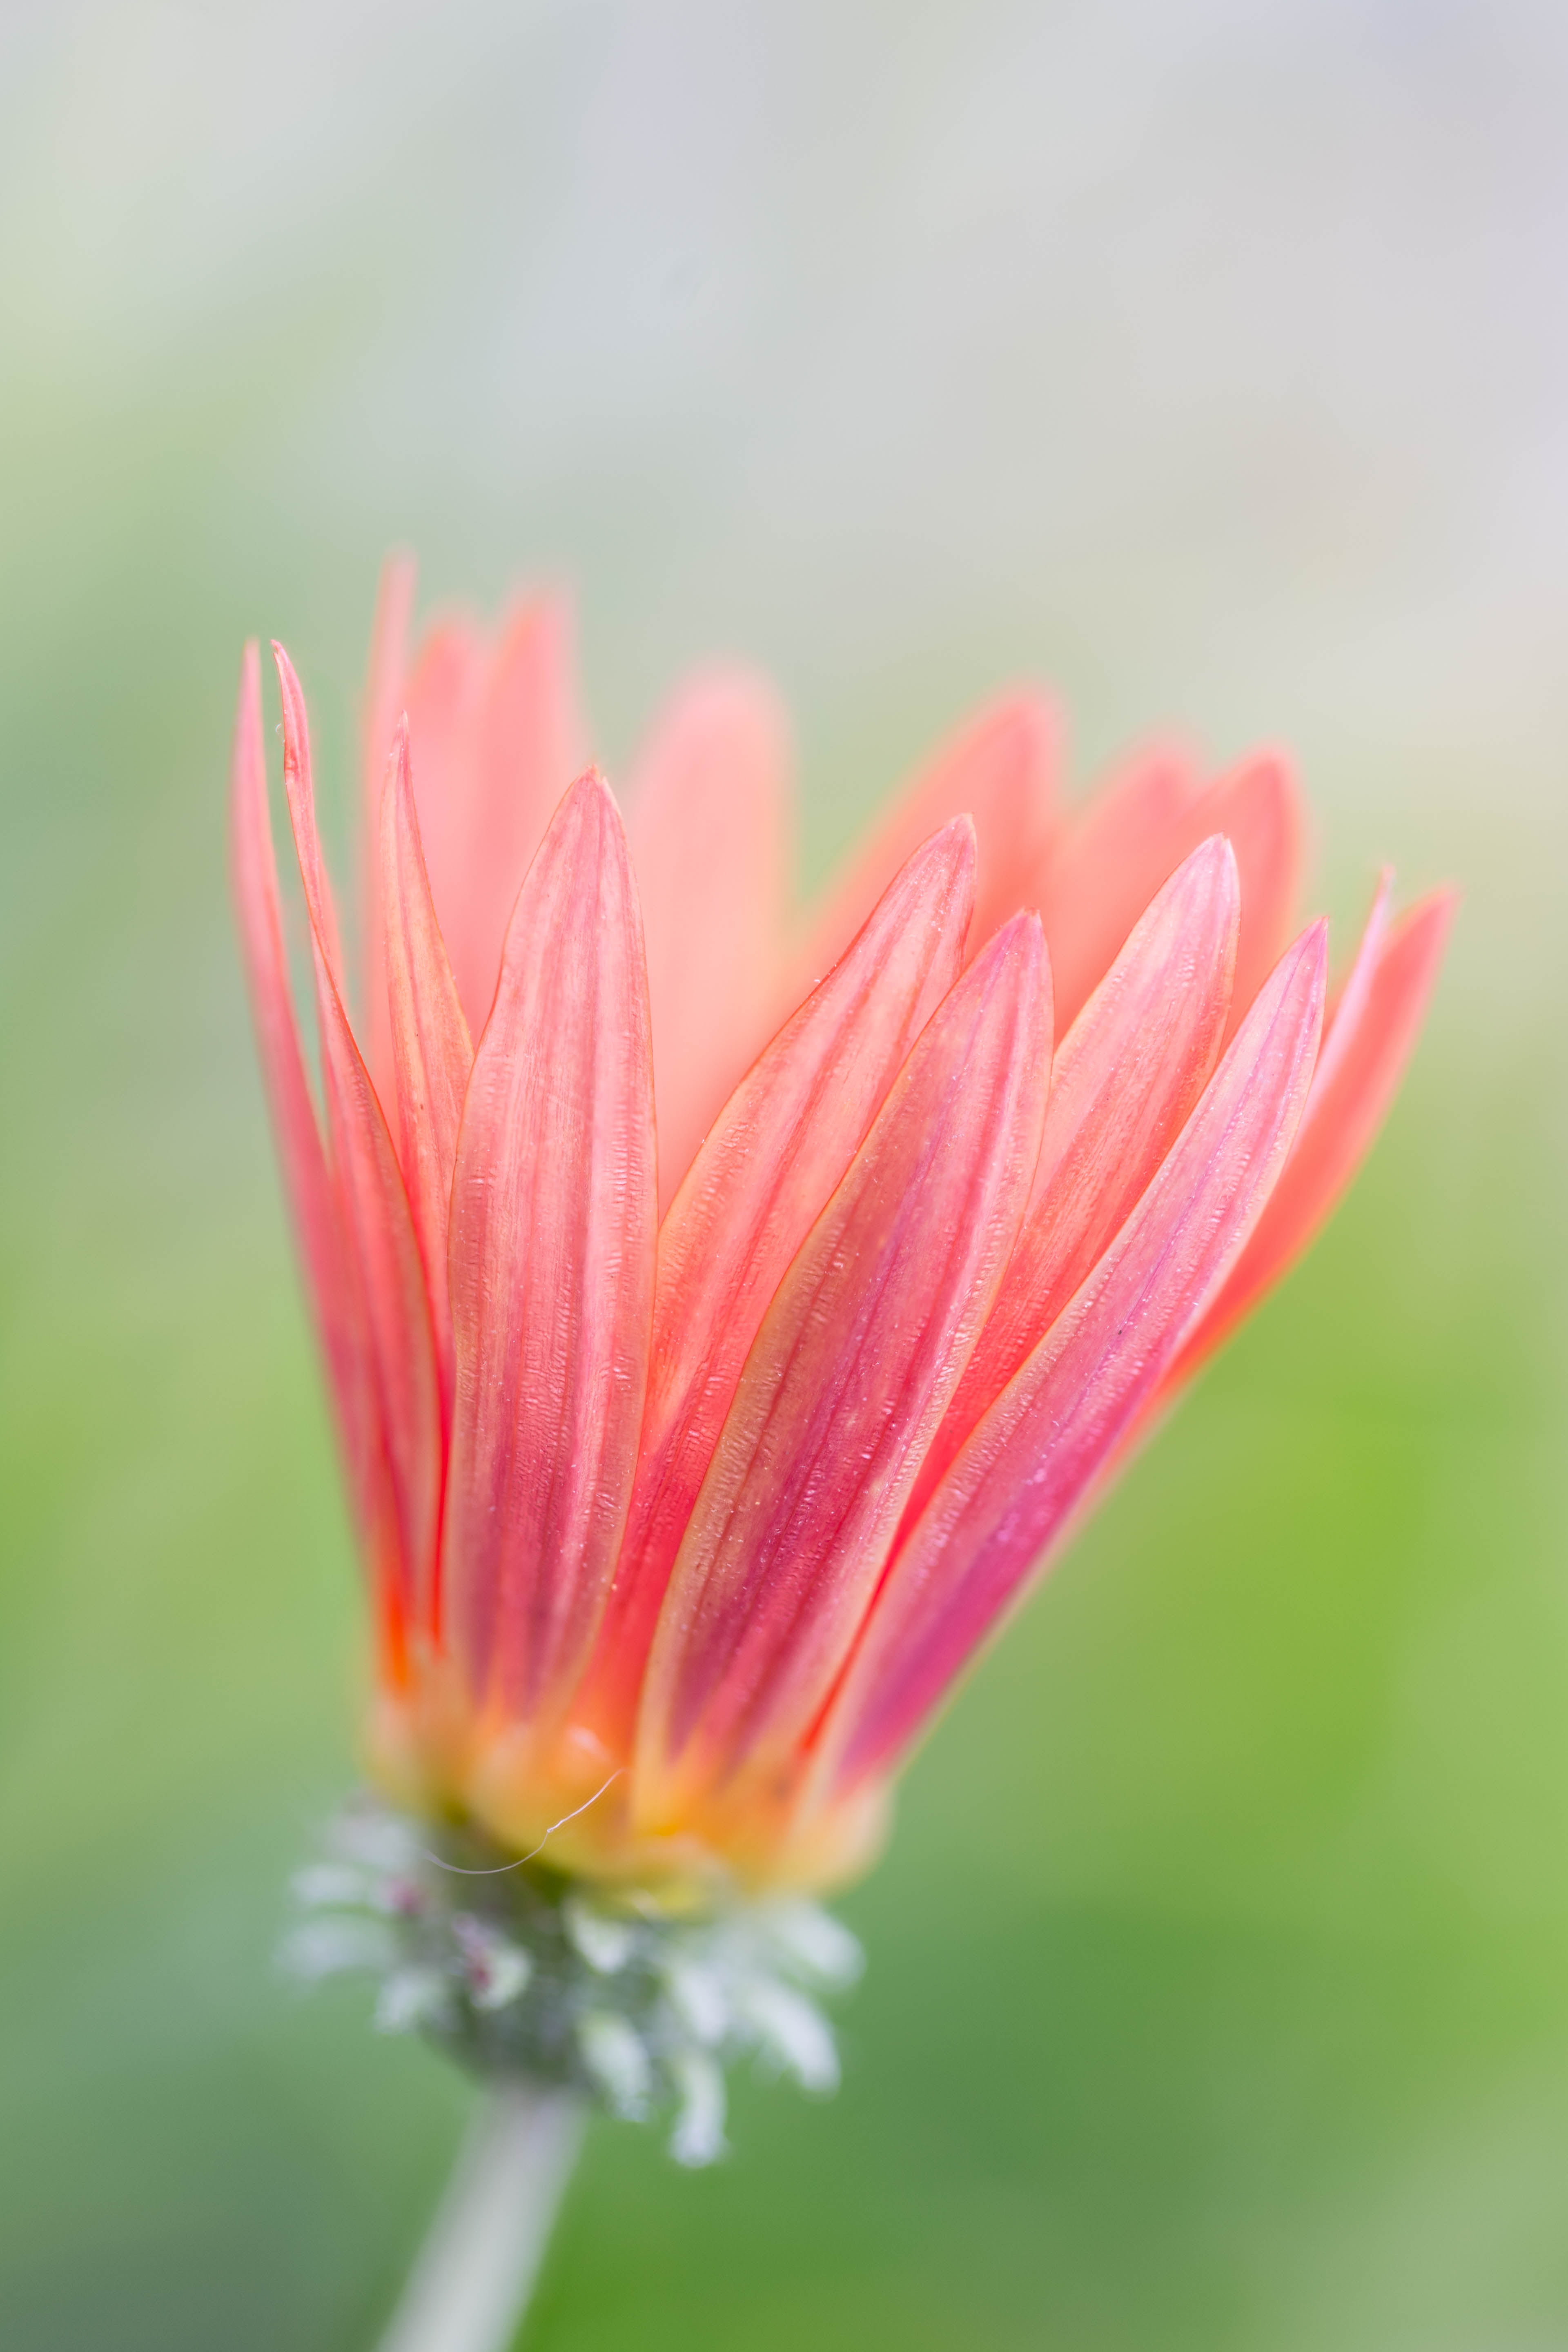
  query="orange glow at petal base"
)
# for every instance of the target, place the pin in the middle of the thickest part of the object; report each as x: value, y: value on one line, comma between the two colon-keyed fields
x: 722, y: 1331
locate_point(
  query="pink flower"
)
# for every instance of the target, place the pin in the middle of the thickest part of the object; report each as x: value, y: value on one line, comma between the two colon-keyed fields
x: 693, y: 1458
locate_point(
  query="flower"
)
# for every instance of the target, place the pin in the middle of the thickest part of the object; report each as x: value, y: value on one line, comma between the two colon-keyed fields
x: 694, y: 1454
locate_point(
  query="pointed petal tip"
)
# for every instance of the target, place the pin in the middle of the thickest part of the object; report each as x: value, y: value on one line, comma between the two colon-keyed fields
x: 1022, y: 935
x: 592, y: 789
x: 1313, y: 948
x: 957, y: 842
x: 1216, y: 849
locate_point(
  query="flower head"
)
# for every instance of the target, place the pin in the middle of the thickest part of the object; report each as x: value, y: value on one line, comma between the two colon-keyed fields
x: 725, y: 1317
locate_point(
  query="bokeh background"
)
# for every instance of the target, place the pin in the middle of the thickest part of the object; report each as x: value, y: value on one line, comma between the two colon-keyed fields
x: 1209, y: 358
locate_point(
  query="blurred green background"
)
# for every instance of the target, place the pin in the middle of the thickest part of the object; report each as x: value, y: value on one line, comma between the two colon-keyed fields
x: 1209, y: 358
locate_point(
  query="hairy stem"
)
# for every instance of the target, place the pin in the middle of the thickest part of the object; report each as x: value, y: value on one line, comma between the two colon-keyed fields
x: 471, y: 2283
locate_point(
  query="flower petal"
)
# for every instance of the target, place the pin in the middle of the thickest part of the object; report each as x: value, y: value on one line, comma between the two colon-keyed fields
x: 442, y: 695
x: 844, y: 1388
x: 1000, y: 769
x: 495, y: 738
x: 552, y: 1268
x: 401, y: 1364
x: 1375, y: 1027
x: 1130, y: 839
x: 1125, y: 1078
x: 709, y: 830
x: 1259, y: 810
x: 528, y: 743
x: 384, y: 700
x: 777, y: 1150
x: 307, y: 1179
x: 1108, y: 862
x: 431, y: 1051
x: 1039, y: 1447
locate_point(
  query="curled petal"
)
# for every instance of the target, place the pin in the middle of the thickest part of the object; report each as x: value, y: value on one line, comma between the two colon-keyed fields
x: 552, y: 1269
x: 373, y: 1206
x: 1039, y: 1447
x: 334, y: 1293
x: 775, y: 1153
x: 709, y: 831
x: 844, y: 1388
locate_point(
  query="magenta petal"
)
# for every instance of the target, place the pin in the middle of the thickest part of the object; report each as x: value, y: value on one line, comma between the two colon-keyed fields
x: 551, y: 1263
x: 845, y: 1386
x: 1037, y: 1450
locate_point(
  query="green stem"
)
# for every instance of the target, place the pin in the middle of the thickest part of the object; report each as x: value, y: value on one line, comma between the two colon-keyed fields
x: 471, y: 2283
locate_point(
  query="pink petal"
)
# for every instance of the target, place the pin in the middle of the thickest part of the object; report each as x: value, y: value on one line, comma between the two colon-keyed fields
x: 431, y: 1052
x: 552, y: 1268
x: 307, y: 1180
x: 845, y: 1387
x: 709, y: 831
x: 1042, y: 1443
x: 1000, y: 769
x: 381, y: 1248
x: 1100, y: 876
x: 1124, y: 1080
x: 496, y: 736
x: 1259, y: 810
x: 384, y: 700
x: 528, y: 743
x: 1374, y: 1029
x: 775, y: 1153
x: 441, y: 697
x: 1132, y: 837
